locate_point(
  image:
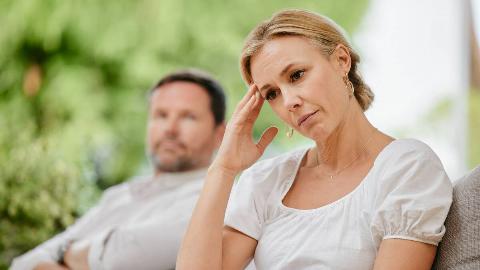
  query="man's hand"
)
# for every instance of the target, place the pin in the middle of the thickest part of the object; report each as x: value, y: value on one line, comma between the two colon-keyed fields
x: 49, y: 266
x: 76, y: 256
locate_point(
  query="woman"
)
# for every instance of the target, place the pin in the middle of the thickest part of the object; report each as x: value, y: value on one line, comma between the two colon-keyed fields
x: 358, y: 200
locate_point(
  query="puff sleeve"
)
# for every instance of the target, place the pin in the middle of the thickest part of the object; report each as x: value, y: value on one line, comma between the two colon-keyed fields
x: 413, y: 197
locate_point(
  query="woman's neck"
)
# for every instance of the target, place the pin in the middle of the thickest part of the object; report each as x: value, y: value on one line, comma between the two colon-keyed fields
x: 347, y: 142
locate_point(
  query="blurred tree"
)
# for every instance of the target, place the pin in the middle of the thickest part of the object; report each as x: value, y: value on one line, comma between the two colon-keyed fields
x: 73, y: 79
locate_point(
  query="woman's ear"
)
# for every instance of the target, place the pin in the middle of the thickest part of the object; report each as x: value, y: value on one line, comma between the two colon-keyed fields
x: 341, y: 58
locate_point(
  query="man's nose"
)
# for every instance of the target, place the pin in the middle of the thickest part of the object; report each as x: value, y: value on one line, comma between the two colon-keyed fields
x: 171, y: 126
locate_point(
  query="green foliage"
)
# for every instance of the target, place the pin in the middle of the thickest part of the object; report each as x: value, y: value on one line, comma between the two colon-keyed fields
x: 33, y: 198
x: 73, y: 79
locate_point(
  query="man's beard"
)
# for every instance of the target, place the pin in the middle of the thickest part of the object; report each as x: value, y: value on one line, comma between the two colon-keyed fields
x: 181, y: 164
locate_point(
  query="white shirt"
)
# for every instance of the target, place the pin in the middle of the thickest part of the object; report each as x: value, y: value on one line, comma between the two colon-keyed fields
x: 405, y: 195
x: 137, y: 225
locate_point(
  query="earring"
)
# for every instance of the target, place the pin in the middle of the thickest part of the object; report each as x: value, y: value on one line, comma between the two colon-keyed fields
x: 348, y: 84
x: 289, y: 132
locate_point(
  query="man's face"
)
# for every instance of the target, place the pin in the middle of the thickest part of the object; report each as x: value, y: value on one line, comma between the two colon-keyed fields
x: 181, y: 128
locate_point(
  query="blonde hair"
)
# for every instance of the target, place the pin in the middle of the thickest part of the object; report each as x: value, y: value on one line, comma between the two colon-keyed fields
x: 320, y: 30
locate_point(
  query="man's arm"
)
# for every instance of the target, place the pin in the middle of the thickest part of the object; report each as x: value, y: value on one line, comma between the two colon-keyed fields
x: 45, y: 254
x: 152, y: 245
x: 48, y: 253
x: 50, y: 266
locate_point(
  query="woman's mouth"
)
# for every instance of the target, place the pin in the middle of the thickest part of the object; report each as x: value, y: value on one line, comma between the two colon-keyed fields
x: 305, y: 117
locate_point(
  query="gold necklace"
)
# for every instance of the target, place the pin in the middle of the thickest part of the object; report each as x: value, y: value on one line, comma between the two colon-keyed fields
x: 364, y: 146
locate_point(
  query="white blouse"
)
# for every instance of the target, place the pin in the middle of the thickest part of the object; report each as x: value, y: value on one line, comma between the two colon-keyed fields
x: 405, y: 195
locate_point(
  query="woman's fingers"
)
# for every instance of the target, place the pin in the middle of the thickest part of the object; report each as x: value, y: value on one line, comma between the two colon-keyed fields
x: 257, y: 106
x: 267, y: 137
x: 244, y: 113
x: 251, y: 90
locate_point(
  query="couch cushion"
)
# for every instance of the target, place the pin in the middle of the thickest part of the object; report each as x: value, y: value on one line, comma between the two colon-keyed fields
x: 460, y: 246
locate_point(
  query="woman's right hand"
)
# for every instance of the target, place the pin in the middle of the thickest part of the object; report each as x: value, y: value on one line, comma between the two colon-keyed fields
x: 238, y: 150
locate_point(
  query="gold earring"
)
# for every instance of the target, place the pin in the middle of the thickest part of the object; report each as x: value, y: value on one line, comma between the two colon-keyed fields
x: 352, y: 89
x: 289, y: 132
x: 348, y: 84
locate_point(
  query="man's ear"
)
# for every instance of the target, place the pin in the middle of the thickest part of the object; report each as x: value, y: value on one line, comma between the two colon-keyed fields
x: 341, y: 58
x: 219, y: 132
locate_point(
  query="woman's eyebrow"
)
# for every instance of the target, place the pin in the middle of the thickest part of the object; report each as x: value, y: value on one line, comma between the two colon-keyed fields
x: 264, y: 88
x: 285, y: 69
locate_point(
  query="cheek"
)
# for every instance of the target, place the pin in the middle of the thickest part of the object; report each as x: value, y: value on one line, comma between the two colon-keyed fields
x: 322, y: 92
x: 192, y: 130
x: 152, y: 131
x: 279, y: 109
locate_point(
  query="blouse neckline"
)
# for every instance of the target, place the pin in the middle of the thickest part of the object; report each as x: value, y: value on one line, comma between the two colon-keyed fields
x: 291, y: 178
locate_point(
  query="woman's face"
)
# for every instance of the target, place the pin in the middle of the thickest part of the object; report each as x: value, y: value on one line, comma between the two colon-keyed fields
x: 303, y: 87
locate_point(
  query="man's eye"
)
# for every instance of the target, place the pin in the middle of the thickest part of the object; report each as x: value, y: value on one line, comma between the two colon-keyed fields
x: 160, y: 115
x: 190, y: 116
x: 295, y: 76
x: 271, y: 95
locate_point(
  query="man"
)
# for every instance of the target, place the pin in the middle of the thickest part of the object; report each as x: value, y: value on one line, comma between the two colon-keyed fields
x: 139, y: 224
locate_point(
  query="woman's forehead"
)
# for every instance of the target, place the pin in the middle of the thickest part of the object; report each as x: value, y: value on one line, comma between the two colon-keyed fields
x: 278, y: 53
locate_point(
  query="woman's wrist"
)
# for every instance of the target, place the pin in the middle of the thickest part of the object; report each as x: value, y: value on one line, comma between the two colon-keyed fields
x: 222, y: 171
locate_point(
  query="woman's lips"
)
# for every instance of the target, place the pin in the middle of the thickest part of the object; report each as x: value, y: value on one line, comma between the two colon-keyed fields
x: 305, y: 117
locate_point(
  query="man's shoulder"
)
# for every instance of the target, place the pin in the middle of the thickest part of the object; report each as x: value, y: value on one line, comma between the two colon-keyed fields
x: 125, y: 187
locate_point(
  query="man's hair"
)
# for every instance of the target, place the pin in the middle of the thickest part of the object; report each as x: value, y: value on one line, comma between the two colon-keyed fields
x: 206, y: 81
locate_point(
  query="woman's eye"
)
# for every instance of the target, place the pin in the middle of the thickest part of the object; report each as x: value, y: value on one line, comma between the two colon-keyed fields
x: 271, y: 95
x: 295, y: 76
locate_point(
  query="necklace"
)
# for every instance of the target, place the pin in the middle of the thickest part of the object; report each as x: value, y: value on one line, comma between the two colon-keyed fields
x: 364, y: 146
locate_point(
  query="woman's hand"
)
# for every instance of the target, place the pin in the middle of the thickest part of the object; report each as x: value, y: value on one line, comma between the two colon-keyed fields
x: 238, y: 150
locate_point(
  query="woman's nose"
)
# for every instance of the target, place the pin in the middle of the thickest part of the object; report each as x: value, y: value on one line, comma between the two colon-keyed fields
x: 291, y: 100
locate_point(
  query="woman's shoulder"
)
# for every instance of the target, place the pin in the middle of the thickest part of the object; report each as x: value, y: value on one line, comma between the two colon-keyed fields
x: 406, y: 150
x: 412, y: 193
x: 410, y: 145
x: 411, y: 162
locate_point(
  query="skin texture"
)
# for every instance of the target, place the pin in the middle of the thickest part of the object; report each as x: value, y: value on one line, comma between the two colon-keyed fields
x: 182, y: 136
x: 296, y: 80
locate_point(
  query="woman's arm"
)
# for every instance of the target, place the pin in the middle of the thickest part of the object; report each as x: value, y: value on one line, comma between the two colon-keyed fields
x: 402, y: 254
x: 207, y: 244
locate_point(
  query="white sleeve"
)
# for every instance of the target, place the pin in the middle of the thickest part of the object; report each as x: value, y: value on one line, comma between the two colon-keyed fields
x: 46, y: 252
x: 148, y: 245
x: 246, y: 206
x: 414, y: 196
x: 144, y: 246
x: 49, y: 251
